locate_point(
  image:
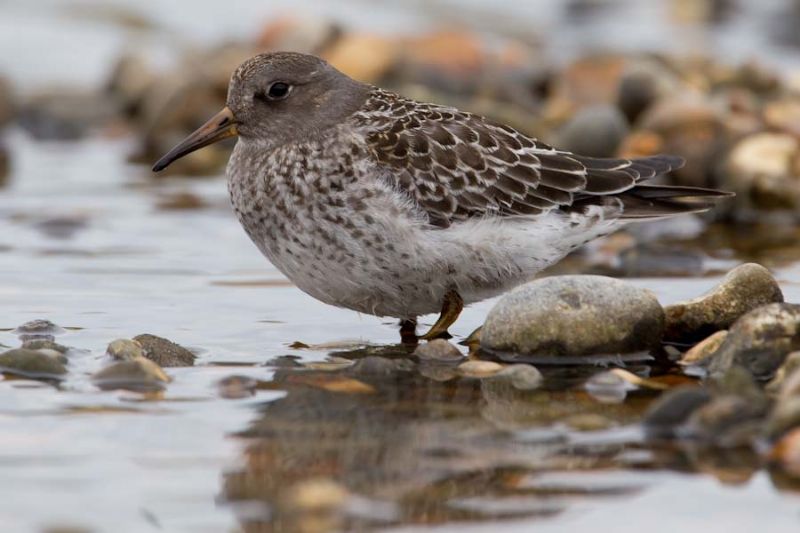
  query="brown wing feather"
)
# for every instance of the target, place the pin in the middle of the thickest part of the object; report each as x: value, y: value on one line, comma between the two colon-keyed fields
x: 456, y: 165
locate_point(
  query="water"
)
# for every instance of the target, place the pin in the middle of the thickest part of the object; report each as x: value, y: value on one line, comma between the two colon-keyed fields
x: 84, y: 244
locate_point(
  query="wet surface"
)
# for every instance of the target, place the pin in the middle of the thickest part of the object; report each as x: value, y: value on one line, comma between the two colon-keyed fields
x: 407, y: 443
x: 297, y: 416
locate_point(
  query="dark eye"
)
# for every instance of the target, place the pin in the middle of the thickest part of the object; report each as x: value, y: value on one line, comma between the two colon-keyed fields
x: 278, y: 90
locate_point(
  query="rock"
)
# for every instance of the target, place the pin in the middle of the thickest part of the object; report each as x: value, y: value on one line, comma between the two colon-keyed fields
x: 237, y: 387
x: 479, y: 369
x: 607, y: 387
x: 784, y: 417
x: 642, y: 84
x: 139, y: 375
x: 762, y: 168
x: 759, y: 341
x: 45, y: 344
x: 38, y: 329
x: 701, y: 352
x: 667, y: 415
x: 130, y: 79
x: 595, y: 131
x: 521, y: 377
x: 438, y: 372
x: 439, y: 350
x: 786, y: 453
x: 376, y: 366
x: 306, y: 34
x: 179, y: 201
x: 783, y: 115
x: 363, y: 57
x: 743, y: 289
x: 124, y: 349
x: 574, y: 316
x: 787, y: 375
x: 727, y: 421
x: 690, y: 128
x: 163, y: 352
x: 31, y: 364
x: 64, y: 114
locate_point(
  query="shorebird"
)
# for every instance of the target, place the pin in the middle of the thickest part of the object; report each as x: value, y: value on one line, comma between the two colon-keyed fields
x: 384, y: 205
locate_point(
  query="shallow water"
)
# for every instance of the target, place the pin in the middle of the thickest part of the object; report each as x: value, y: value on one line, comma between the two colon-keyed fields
x: 85, y: 246
x: 83, y: 243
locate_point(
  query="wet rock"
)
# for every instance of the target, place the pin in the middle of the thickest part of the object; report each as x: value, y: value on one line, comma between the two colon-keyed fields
x: 690, y: 128
x: 759, y: 341
x: 743, y: 289
x: 787, y: 370
x: 783, y: 115
x: 762, y: 169
x: 139, y: 375
x: 728, y: 421
x: 376, y: 366
x: 667, y: 415
x: 439, y: 350
x: 438, y: 372
x: 130, y: 79
x: 237, y: 387
x: 701, y: 352
x: 595, y: 131
x: 786, y: 453
x: 364, y: 57
x: 479, y: 369
x: 521, y: 377
x: 607, y: 387
x: 65, y: 114
x: 163, y: 352
x: 45, y: 344
x: 124, y: 349
x: 38, y: 329
x: 642, y: 84
x: 574, y: 316
x: 784, y: 417
x: 32, y: 364
x: 306, y: 34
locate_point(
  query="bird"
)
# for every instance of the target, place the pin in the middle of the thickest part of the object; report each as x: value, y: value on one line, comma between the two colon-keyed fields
x: 388, y: 206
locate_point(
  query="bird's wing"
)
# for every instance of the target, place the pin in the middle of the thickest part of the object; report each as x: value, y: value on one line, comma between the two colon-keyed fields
x: 456, y: 165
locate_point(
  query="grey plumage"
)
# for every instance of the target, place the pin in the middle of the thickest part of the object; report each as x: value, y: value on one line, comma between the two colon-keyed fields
x: 381, y: 204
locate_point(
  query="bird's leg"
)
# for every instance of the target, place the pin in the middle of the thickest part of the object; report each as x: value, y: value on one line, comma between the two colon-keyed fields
x: 451, y: 307
x: 408, y: 331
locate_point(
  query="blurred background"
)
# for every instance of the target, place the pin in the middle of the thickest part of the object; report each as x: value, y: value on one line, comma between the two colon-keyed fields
x: 92, y: 242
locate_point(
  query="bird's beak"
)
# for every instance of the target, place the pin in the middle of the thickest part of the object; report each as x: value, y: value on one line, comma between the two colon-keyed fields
x: 220, y: 126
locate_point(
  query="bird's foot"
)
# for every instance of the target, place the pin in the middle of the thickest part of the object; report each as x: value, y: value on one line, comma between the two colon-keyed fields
x: 451, y: 308
x: 408, y: 331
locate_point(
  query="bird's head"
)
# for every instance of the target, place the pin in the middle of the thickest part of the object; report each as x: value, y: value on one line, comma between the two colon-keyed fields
x: 276, y: 98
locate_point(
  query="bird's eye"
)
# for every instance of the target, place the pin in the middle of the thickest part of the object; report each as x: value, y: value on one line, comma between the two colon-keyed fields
x: 278, y: 90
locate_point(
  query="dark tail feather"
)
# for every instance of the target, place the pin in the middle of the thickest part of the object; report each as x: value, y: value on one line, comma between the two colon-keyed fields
x: 644, y: 202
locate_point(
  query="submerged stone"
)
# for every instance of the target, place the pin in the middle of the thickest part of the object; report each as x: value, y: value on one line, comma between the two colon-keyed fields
x: 32, y: 364
x: 521, y: 377
x: 45, y: 344
x: 702, y: 352
x: 139, y: 374
x: 667, y: 415
x: 574, y: 316
x: 439, y: 350
x: 39, y: 328
x: 743, y: 289
x: 164, y: 352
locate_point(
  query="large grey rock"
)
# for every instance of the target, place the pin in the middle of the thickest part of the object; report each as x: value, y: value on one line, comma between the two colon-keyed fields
x: 595, y: 131
x: 743, y: 289
x: 759, y: 341
x: 574, y: 316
